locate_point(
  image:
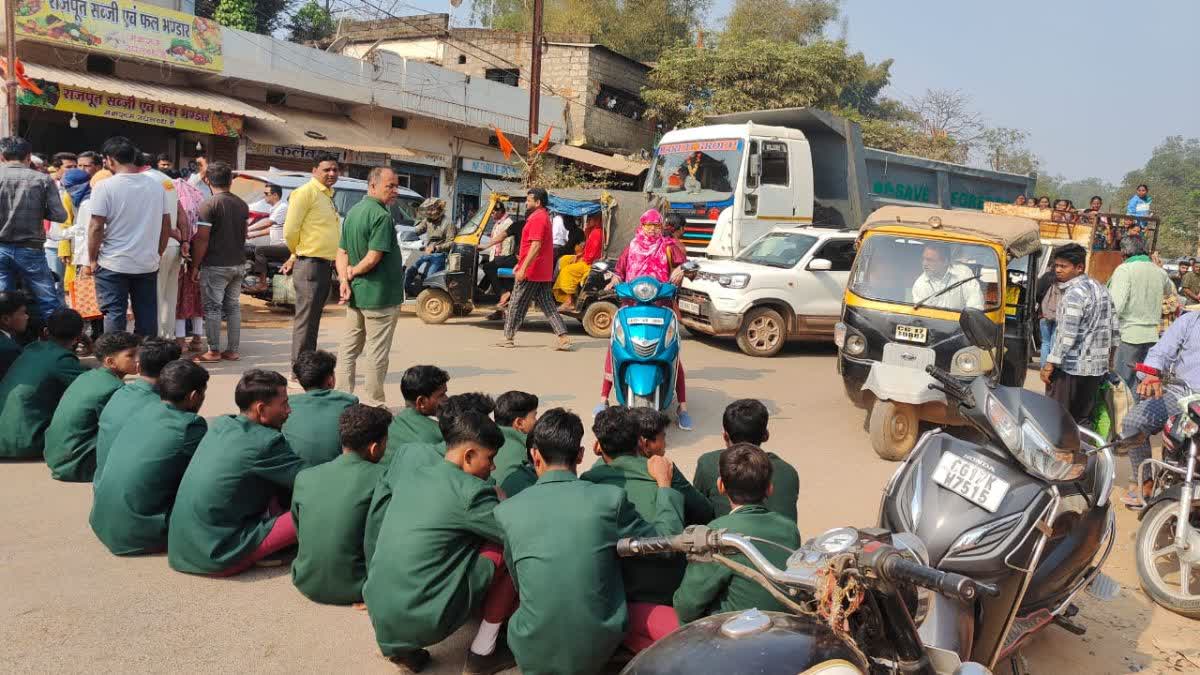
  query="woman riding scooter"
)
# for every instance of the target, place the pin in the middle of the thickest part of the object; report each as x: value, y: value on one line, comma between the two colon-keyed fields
x: 650, y: 254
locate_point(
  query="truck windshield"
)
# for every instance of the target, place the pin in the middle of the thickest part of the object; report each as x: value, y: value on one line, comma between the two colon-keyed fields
x: 926, y: 273
x: 778, y: 249
x: 697, y: 171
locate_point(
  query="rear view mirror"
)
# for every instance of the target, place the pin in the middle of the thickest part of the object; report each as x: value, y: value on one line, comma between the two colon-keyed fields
x: 820, y: 265
x: 979, y: 329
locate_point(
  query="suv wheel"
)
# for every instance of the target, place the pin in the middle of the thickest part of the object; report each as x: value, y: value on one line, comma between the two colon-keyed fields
x: 762, y: 333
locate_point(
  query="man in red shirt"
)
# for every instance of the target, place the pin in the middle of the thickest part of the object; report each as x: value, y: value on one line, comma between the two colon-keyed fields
x: 535, y: 272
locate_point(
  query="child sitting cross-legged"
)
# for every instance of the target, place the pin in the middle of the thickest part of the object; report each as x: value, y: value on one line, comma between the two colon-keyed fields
x: 313, y: 427
x: 35, y: 383
x: 652, y: 431
x: 516, y: 413
x: 745, y: 421
x: 152, y: 356
x: 329, y: 509
x: 14, y: 320
x: 711, y: 588
x: 424, y: 390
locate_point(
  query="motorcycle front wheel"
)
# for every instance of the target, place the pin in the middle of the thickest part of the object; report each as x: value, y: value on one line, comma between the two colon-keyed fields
x: 1170, y: 577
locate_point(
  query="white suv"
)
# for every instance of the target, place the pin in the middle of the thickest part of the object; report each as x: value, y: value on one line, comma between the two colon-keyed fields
x: 787, y: 285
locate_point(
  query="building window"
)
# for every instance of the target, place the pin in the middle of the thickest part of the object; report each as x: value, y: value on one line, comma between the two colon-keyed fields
x: 399, y: 122
x: 100, y: 65
x: 509, y: 76
x: 462, y: 59
x: 620, y: 102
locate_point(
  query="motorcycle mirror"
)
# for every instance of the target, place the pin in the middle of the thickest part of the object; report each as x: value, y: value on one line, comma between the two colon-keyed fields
x: 978, y: 328
x: 690, y: 266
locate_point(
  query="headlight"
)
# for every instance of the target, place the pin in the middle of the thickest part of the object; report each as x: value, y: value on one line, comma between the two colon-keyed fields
x: 1188, y: 426
x: 970, y: 361
x: 1040, y: 456
x: 1003, y: 422
x: 618, y: 334
x: 645, y: 291
x: 670, y: 331
x: 734, y: 280
x: 855, y: 345
x: 839, y: 334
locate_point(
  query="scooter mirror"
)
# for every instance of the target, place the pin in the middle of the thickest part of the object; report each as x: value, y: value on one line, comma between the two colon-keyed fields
x: 978, y: 328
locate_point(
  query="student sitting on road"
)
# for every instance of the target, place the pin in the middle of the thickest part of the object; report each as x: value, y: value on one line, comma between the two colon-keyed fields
x: 152, y: 356
x: 745, y: 421
x: 14, y: 319
x: 560, y: 546
x: 437, y: 560
x: 424, y: 391
x: 516, y: 413
x: 71, y: 437
x: 313, y: 427
x: 711, y: 588
x: 522, y: 476
x: 329, y: 508
x: 652, y: 441
x: 149, y: 456
x: 227, y: 515
x: 35, y: 383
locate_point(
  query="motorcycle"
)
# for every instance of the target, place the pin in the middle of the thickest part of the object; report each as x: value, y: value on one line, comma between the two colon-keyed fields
x: 645, y: 344
x: 851, y: 595
x: 1023, y: 505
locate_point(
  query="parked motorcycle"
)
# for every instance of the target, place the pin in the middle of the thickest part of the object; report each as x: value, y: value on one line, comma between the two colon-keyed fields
x: 645, y: 344
x: 1024, y: 506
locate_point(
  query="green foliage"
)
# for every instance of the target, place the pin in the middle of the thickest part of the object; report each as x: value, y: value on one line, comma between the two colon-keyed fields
x: 310, y: 22
x: 1005, y: 149
x: 1081, y: 191
x: 779, y: 20
x: 268, y: 14
x: 236, y: 14
x: 1173, y: 175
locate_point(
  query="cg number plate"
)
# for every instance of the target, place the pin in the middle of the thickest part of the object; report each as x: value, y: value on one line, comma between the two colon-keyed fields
x: 970, y: 481
x: 912, y: 334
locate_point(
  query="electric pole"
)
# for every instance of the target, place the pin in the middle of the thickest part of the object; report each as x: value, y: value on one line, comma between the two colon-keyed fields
x: 535, y: 73
x: 10, y: 78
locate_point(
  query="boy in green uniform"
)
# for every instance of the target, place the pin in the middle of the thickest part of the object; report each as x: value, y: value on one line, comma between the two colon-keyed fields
x: 153, y: 355
x: 424, y: 390
x: 560, y: 546
x: 516, y: 413
x: 329, y: 509
x: 745, y: 421
x: 218, y: 526
x: 134, y: 496
x: 14, y: 319
x: 313, y: 427
x: 71, y: 437
x: 436, y: 556
x: 521, y: 477
x: 35, y: 383
x: 711, y: 588
x: 652, y: 427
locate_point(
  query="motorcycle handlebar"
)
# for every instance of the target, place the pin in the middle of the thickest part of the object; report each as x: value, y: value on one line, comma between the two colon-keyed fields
x: 897, y: 568
x: 632, y: 547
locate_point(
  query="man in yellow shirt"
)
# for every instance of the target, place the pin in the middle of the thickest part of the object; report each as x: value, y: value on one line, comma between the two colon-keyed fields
x: 311, y: 230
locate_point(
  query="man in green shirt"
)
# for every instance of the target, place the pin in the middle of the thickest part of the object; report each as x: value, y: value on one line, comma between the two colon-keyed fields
x: 71, y: 437
x: 153, y: 355
x: 227, y: 515
x: 136, y: 492
x: 312, y: 430
x: 35, y: 383
x: 745, y: 421
x: 1189, y: 285
x: 516, y: 413
x: 370, y: 266
x: 424, y: 390
x: 14, y: 319
x: 1138, y: 288
x: 329, y: 509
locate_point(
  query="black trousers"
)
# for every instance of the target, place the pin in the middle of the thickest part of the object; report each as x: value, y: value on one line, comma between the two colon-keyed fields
x: 491, y: 272
x: 1076, y: 393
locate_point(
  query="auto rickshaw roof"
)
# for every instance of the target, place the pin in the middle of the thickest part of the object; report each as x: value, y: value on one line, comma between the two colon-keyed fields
x: 1019, y: 236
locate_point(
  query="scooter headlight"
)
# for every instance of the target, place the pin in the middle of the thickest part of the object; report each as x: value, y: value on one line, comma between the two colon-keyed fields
x: 1003, y: 422
x: 618, y: 333
x: 645, y: 291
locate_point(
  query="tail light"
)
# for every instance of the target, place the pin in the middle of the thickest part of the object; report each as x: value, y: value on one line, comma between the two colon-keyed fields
x: 714, y: 213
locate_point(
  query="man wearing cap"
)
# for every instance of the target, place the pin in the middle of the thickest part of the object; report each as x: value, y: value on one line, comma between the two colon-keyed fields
x: 440, y: 232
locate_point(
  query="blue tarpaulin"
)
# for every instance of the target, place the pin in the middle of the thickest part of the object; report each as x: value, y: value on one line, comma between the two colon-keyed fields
x: 573, y: 207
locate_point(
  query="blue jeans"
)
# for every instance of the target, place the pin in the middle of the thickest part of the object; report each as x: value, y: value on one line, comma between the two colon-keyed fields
x: 57, y: 270
x: 116, y: 292
x: 28, y: 264
x: 1128, y: 356
x: 434, y: 262
x: 1047, y: 328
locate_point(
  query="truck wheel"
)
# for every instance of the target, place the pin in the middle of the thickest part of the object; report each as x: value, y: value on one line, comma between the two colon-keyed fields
x: 762, y: 332
x: 434, y: 305
x: 893, y: 428
x: 598, y: 319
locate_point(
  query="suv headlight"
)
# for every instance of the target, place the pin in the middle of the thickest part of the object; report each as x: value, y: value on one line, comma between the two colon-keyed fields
x: 645, y: 291
x: 734, y: 281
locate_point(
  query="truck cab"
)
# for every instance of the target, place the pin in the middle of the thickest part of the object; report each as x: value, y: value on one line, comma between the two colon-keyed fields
x: 786, y: 285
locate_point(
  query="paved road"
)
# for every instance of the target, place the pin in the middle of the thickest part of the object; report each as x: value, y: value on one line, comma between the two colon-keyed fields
x: 69, y: 606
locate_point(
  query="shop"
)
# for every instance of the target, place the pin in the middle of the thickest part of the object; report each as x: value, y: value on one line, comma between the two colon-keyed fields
x: 422, y: 172
x: 468, y: 189
x: 299, y: 136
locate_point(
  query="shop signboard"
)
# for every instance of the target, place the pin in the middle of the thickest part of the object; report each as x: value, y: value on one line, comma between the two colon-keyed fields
x: 307, y: 153
x: 123, y: 28
x: 491, y: 168
x: 125, y: 108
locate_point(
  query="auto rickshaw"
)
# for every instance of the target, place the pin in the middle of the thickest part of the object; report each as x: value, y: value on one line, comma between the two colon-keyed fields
x: 896, y: 321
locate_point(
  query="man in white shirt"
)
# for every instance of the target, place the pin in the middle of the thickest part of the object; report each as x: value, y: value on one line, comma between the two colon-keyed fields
x: 560, y: 235
x: 268, y: 233
x: 172, y: 260
x: 930, y: 289
x: 130, y: 226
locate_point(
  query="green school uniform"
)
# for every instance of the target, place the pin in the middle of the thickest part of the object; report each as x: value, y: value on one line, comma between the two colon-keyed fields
x: 428, y: 576
x: 783, y: 477
x: 652, y: 580
x: 124, y: 404
x: 518, y: 479
x: 510, y: 455
x: 71, y: 437
x: 560, y: 546
x: 329, y: 508
x: 9, y: 351
x: 218, y: 516
x: 312, y: 428
x: 133, y: 498
x: 410, y: 426
x: 696, y: 508
x: 406, y: 459
x: 29, y: 394
x: 711, y: 588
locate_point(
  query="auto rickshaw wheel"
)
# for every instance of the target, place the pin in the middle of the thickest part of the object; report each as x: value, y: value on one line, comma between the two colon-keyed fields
x: 762, y: 332
x: 434, y: 305
x: 598, y: 319
x: 893, y: 428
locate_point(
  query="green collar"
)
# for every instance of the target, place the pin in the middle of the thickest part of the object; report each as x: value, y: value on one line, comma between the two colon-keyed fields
x: 1138, y: 258
x: 750, y: 509
x: 557, y: 476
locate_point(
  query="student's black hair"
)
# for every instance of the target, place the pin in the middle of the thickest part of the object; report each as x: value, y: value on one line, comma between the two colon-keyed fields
x: 422, y: 381
x: 11, y: 301
x: 313, y: 368
x: 144, y: 159
x: 557, y: 435
x: 361, y: 425
x: 155, y: 353
x: 219, y: 175
x: 322, y: 157
x: 745, y: 420
x: 513, y: 405
x: 463, y: 403
x: 121, y: 149
x: 162, y: 157
x: 1072, y: 253
x: 617, y: 431
x: 745, y: 472
x: 179, y: 378
x: 110, y: 343
x: 471, y: 426
x: 258, y: 386
x: 539, y: 196
x: 650, y: 422
x: 64, y: 324
x: 15, y: 148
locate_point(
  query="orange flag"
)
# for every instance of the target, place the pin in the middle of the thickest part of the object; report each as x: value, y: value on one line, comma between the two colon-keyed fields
x: 545, y: 144
x: 505, y: 146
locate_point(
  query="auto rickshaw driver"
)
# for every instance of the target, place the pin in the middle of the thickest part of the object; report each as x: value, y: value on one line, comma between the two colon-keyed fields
x: 944, y: 284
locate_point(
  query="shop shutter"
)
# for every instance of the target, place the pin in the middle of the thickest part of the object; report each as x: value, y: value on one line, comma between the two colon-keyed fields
x: 264, y: 162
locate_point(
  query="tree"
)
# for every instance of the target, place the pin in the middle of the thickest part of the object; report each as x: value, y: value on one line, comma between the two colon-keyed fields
x: 947, y: 114
x: 310, y: 22
x: 1004, y: 149
x: 779, y: 20
x: 1173, y: 175
x: 236, y: 14
x: 268, y: 14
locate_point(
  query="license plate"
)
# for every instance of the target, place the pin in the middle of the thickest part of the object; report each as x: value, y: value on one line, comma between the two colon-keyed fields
x: 645, y: 321
x: 911, y: 334
x: 970, y: 481
x: 689, y: 306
